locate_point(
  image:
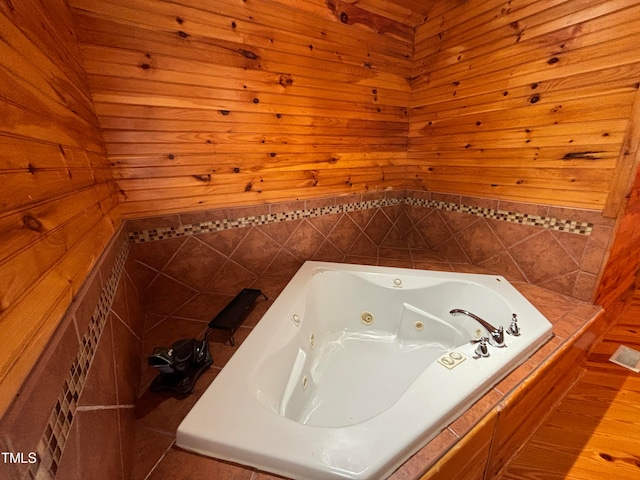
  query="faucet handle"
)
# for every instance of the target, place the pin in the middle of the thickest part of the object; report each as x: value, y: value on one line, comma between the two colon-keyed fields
x: 497, y: 337
x: 482, y: 350
x: 514, y: 329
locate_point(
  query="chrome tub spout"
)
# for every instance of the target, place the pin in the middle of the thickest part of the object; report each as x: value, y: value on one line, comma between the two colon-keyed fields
x: 496, y: 334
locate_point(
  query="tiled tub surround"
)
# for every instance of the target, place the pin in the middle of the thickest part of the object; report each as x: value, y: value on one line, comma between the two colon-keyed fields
x: 521, y: 399
x: 76, y: 409
x: 191, y: 276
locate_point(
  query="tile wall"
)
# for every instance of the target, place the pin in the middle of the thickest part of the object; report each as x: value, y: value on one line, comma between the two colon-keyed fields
x: 185, y: 259
x: 76, y: 409
x: 562, y: 249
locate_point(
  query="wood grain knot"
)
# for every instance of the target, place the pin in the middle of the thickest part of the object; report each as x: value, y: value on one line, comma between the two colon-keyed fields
x: 202, y: 178
x: 248, y: 54
x: 586, y: 155
x: 32, y: 223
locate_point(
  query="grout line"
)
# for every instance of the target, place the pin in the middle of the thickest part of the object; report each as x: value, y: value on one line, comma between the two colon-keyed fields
x: 90, y: 408
x: 160, y: 459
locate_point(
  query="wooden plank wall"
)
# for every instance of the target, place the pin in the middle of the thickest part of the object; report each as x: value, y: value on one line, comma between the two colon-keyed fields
x: 206, y: 104
x: 57, y: 189
x: 526, y: 100
x: 623, y: 265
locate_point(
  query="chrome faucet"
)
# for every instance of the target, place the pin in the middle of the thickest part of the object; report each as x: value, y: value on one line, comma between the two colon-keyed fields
x: 496, y: 334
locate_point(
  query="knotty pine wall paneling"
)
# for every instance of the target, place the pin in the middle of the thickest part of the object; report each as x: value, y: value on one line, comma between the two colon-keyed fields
x: 57, y: 189
x: 524, y: 100
x: 207, y: 104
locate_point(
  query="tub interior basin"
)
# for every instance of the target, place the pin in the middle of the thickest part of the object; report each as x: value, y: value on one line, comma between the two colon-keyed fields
x: 353, y: 357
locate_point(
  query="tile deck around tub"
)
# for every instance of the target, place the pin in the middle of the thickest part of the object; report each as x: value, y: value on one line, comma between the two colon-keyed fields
x: 158, y: 414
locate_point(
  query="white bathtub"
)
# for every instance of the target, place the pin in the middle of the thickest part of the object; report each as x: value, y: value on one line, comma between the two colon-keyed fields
x: 348, y: 373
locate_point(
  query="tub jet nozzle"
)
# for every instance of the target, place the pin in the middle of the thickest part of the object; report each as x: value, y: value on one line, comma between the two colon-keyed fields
x: 366, y: 318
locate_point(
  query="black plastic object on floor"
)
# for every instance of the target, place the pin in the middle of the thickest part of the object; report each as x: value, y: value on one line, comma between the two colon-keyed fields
x: 232, y: 316
x: 180, y: 365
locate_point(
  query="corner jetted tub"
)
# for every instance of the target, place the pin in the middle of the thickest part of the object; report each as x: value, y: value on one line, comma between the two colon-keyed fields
x: 355, y: 368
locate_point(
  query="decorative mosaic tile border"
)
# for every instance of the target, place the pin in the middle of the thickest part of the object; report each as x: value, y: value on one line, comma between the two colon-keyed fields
x: 53, y: 440
x: 218, y: 225
x: 570, y: 226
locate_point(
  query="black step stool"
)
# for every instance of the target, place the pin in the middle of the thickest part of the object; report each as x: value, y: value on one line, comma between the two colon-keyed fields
x: 232, y: 316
